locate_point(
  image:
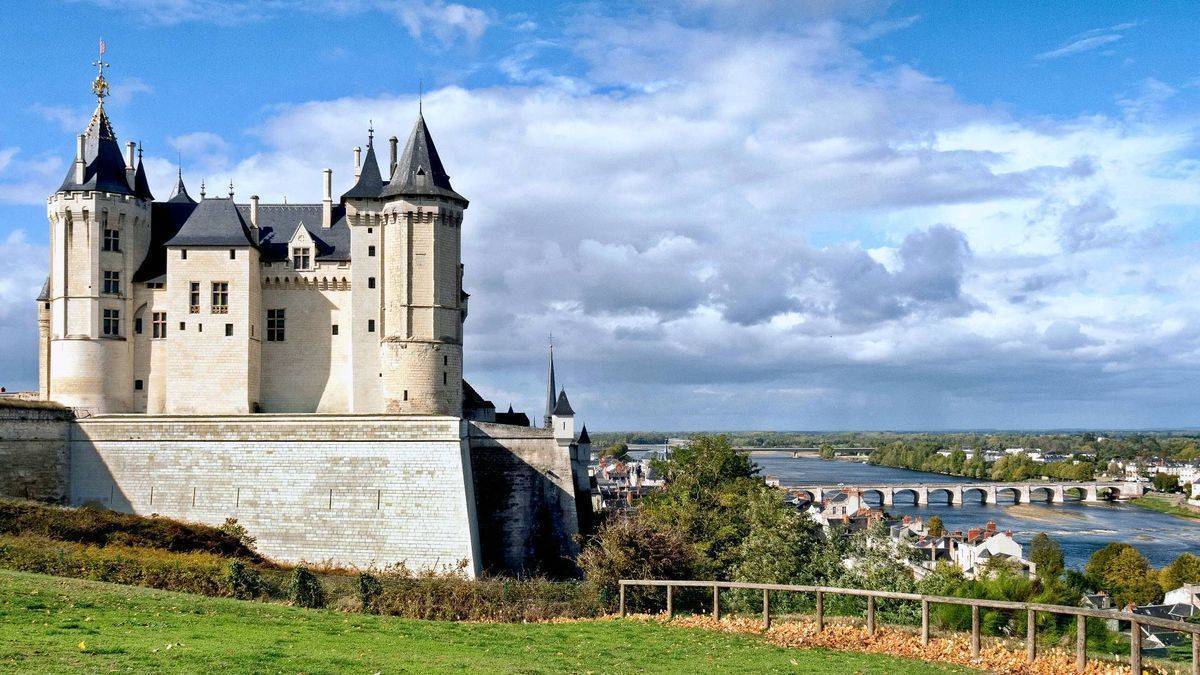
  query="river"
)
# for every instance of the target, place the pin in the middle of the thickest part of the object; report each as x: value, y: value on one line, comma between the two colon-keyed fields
x: 1079, y: 528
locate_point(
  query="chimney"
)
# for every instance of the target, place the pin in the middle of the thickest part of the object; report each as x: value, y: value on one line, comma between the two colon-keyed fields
x: 327, y: 203
x: 357, y: 161
x: 254, y: 211
x: 130, y: 146
x: 80, y: 167
x: 393, y: 141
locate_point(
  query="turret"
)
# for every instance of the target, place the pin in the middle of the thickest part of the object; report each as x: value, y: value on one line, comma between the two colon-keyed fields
x: 99, y: 233
x: 421, y: 321
x: 563, y: 419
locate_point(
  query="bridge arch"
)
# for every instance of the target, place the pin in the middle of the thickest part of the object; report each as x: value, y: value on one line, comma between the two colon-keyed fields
x: 1041, y: 493
x: 948, y: 492
x: 806, y: 494
x: 877, y: 492
x: 1107, y: 492
x: 911, y: 492
x: 969, y: 494
x: 1010, y: 493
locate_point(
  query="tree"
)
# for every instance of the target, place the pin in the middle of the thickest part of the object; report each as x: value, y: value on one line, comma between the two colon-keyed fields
x: 1047, y: 555
x: 1131, y: 580
x: 1164, y: 482
x: 934, y: 527
x: 827, y: 451
x: 618, y: 450
x: 1098, y: 563
x: 1183, y: 570
x: 632, y: 548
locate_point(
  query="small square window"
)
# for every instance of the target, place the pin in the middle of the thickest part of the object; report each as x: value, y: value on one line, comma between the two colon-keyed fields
x: 137, y: 385
x: 182, y: 325
x: 370, y: 230
x: 199, y: 328
x: 228, y: 330
x: 370, y: 282
x: 335, y: 329
x: 371, y: 251
x: 183, y: 254
x: 370, y: 325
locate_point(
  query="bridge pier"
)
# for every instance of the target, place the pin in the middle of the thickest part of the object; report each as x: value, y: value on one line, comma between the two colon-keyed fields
x: 922, y: 496
x: 1058, y: 495
x: 818, y: 494
x: 989, y: 495
x: 888, y: 496
x: 956, y: 496
x: 1022, y: 495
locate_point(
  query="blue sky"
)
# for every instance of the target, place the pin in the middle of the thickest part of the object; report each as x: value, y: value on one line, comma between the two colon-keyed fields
x: 801, y: 215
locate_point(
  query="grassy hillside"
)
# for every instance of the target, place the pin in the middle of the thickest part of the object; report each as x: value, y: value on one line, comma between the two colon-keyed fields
x: 51, y: 624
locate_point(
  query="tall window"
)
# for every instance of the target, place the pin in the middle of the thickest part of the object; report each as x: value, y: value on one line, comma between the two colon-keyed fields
x: 112, y: 283
x: 194, y: 297
x: 112, y: 322
x: 220, y: 297
x: 112, y: 240
x: 275, y: 325
x: 158, y: 325
x: 371, y: 251
x: 301, y: 258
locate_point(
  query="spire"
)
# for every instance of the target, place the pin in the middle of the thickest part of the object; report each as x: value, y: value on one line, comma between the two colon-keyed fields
x: 584, y: 439
x: 562, y: 407
x: 104, y: 168
x: 550, y: 387
x: 180, y: 195
x: 141, y: 185
x: 419, y: 171
x: 370, y: 183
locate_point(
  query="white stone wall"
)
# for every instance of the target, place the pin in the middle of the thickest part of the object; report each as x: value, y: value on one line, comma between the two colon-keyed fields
x: 310, y: 370
x: 356, y: 491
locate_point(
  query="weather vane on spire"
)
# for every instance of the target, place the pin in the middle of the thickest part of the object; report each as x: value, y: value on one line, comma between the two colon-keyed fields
x: 371, y: 132
x: 100, y: 85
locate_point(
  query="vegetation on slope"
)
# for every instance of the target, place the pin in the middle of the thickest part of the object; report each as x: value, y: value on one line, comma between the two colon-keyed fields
x: 59, y: 625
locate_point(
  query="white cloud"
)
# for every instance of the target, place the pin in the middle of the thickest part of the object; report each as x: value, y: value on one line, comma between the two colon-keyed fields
x: 1088, y: 41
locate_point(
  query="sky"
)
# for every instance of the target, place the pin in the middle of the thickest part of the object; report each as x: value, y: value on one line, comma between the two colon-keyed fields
x: 804, y: 215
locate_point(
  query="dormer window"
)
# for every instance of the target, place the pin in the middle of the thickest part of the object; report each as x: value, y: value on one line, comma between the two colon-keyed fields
x: 302, y: 258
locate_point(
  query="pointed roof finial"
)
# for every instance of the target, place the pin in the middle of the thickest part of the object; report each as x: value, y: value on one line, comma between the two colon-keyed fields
x: 100, y: 84
x: 420, y: 96
x: 231, y: 189
x: 371, y: 133
x: 201, y: 189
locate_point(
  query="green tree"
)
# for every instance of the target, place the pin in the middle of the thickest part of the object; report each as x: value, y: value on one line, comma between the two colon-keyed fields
x: 827, y: 451
x: 1047, y: 555
x: 934, y: 527
x: 1100, y: 560
x: 772, y: 551
x: 1164, y: 482
x: 618, y: 450
x: 1183, y: 570
x: 1130, y: 579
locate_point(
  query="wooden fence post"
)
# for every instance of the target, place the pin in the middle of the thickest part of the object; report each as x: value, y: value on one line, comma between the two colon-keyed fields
x: 1031, y: 636
x: 670, y: 601
x: 1080, y: 643
x: 716, y: 602
x: 974, y: 631
x: 622, y: 601
x: 766, y: 610
x: 1135, y: 648
x: 870, y: 615
x: 924, y: 622
x: 820, y: 611
x: 1195, y: 653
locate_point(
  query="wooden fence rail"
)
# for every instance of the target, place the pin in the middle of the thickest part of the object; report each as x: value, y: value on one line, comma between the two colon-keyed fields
x: 1081, y: 614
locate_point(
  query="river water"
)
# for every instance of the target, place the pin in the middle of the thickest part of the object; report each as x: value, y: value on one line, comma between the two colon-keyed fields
x: 1079, y: 528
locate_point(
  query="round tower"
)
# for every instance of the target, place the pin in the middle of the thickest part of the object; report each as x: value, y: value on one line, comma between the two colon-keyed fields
x: 422, y: 303
x: 99, y: 235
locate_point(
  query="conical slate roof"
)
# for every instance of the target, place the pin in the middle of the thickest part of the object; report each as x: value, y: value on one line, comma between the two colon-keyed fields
x: 584, y: 439
x: 370, y: 183
x: 419, y: 171
x: 214, y: 222
x: 141, y: 186
x: 105, y: 168
x: 180, y: 195
x: 563, y: 407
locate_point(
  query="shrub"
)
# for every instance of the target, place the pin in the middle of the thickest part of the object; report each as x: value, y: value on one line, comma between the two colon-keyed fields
x: 305, y: 589
x: 245, y: 583
x: 632, y: 548
x: 452, y: 598
x: 101, y: 527
x: 369, y: 590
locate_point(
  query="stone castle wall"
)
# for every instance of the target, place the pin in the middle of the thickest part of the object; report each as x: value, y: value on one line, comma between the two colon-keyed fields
x: 358, y: 491
x: 33, y: 451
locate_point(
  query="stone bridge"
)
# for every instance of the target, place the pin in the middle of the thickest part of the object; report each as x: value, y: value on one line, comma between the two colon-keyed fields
x: 983, y: 493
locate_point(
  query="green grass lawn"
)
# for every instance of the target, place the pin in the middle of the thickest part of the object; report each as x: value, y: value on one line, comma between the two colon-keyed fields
x: 52, y: 624
x: 1164, y: 504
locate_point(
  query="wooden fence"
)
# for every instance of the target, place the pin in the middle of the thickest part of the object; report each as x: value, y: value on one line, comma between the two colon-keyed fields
x: 1081, y: 614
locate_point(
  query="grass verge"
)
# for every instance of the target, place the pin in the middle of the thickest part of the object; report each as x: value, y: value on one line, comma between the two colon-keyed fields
x: 52, y: 624
x: 1165, y: 505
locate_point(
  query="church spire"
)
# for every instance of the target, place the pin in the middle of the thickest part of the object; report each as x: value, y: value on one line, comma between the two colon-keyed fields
x: 551, y: 398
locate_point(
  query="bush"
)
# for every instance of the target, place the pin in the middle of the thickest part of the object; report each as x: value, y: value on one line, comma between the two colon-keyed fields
x: 305, y: 589
x: 199, y: 573
x: 369, y: 590
x: 449, y: 598
x: 101, y: 527
x: 245, y: 583
x: 632, y: 548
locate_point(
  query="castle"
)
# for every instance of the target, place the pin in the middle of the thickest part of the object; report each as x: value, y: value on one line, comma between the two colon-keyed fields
x: 296, y: 366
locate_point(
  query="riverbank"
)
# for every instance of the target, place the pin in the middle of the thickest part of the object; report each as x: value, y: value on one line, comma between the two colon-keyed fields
x: 1167, y: 505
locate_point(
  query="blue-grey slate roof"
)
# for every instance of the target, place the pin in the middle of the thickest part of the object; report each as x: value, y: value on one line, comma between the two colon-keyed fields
x: 105, y: 168
x: 278, y: 222
x: 419, y: 171
x: 214, y: 222
x: 141, y: 186
x: 563, y: 406
x: 370, y: 183
x: 45, y: 294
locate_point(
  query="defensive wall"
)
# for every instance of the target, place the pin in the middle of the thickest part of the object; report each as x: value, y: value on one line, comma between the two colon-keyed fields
x: 352, y: 490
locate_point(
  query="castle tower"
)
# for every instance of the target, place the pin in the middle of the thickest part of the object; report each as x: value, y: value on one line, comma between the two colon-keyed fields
x: 364, y: 213
x: 99, y: 235
x: 422, y: 309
